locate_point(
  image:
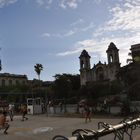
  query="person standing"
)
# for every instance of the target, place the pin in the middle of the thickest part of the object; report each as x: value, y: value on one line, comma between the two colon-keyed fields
x: 11, y: 111
x: 4, y: 122
x: 51, y: 107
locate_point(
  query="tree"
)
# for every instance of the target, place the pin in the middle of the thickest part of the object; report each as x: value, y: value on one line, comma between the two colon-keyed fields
x: 65, y: 85
x: 38, y: 68
x: 130, y: 76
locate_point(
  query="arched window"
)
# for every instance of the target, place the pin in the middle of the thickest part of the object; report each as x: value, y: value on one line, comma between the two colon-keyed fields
x: 82, y: 64
x: 111, y: 58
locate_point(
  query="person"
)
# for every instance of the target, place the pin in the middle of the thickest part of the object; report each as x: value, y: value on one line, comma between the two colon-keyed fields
x: 4, y: 122
x: 87, y: 113
x: 11, y: 111
x: 61, y: 106
x: 51, y: 107
x: 24, y: 112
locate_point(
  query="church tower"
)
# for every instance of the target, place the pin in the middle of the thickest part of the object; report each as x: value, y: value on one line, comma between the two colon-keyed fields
x: 113, y: 61
x: 84, y: 67
x: 112, y: 53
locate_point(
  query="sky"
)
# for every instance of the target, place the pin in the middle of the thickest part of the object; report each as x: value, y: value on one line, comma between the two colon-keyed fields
x: 54, y: 33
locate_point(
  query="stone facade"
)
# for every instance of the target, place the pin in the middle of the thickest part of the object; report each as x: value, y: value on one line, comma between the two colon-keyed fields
x: 7, y: 79
x: 100, y: 71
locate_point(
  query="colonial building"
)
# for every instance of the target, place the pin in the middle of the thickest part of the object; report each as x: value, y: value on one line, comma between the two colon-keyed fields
x: 100, y: 71
x: 7, y: 79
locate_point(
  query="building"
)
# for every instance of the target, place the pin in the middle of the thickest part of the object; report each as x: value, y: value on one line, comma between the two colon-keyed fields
x: 135, y: 51
x: 100, y: 71
x: 7, y: 79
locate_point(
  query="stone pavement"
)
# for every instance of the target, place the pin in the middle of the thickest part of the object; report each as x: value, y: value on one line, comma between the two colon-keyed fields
x: 41, y: 127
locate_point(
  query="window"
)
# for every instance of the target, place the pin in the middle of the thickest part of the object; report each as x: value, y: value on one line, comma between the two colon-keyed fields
x: 3, y: 82
x: 10, y: 82
x: 82, y: 64
x: 111, y: 58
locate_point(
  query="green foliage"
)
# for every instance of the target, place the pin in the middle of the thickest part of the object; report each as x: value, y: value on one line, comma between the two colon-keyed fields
x: 115, y: 87
x: 96, y: 90
x: 137, y: 59
x: 38, y: 68
x: 65, y: 85
x: 130, y: 75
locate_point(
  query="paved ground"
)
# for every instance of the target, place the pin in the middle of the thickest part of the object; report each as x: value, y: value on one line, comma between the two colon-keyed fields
x: 41, y: 127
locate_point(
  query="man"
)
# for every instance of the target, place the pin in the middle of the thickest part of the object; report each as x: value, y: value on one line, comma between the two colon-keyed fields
x: 3, y: 122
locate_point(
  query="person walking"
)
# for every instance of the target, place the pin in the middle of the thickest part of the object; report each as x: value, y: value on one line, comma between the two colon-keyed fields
x: 24, y: 112
x: 4, y: 122
x: 87, y: 113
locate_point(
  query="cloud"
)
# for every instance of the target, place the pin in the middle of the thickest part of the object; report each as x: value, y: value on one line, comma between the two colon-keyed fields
x: 77, y: 22
x: 6, y: 2
x: 60, y: 35
x: 69, y: 52
x: 125, y: 17
x: 99, y: 47
x: 123, y: 29
x: 40, y: 2
x: 44, y: 2
x: 62, y: 3
x: 71, y: 32
x: 90, y: 26
x: 47, y: 3
x: 46, y: 35
x: 69, y: 3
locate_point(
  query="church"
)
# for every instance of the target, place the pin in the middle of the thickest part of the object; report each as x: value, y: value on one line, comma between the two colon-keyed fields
x: 100, y: 71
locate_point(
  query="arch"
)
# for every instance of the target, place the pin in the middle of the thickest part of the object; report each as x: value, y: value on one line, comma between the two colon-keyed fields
x: 111, y: 58
x: 100, y: 73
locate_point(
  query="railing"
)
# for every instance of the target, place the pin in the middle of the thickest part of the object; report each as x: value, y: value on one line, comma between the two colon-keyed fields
x: 125, y: 127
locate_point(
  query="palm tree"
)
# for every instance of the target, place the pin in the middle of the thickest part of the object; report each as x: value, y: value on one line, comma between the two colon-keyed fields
x: 38, y: 69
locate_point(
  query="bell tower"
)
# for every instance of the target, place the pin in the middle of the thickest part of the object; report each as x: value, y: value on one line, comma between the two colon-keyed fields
x: 112, y: 54
x: 84, y: 67
x: 84, y: 60
x: 113, y: 61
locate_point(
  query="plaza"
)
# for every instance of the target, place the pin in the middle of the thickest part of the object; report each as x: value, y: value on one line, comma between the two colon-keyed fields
x: 43, y: 127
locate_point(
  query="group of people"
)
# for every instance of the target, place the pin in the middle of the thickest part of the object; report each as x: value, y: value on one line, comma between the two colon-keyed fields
x: 3, y: 117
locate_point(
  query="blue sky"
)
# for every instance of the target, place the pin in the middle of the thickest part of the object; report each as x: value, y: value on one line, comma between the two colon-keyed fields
x: 54, y: 32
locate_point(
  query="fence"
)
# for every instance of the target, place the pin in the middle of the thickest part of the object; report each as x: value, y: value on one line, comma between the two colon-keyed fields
x: 125, y: 127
